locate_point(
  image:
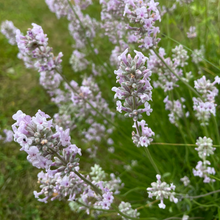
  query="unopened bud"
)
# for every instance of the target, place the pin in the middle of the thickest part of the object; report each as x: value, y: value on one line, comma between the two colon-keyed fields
x: 37, y: 140
x: 37, y: 134
x: 44, y: 148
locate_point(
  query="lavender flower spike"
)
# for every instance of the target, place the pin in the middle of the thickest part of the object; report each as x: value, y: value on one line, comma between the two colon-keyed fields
x: 135, y: 87
x: 9, y: 30
x: 35, y: 52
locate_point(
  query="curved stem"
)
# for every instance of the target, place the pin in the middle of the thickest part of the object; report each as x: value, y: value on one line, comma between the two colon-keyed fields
x: 176, y: 144
x: 191, y: 51
x: 104, y: 117
x: 88, y: 182
x: 190, y: 87
x: 104, y: 210
x: 152, y: 160
x: 78, y: 174
x: 216, y: 128
x: 87, y: 39
x: 203, y: 195
x: 147, y: 205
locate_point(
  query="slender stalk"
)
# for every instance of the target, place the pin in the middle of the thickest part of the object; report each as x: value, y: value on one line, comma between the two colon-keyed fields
x: 176, y: 144
x: 213, y: 177
x: 64, y: 78
x: 147, y: 205
x: 88, y: 182
x: 184, y: 116
x: 152, y: 160
x: 115, y: 211
x: 148, y: 152
x: 186, y: 147
x: 77, y: 173
x: 173, y: 144
x: 109, y: 121
x: 121, y: 213
x: 88, y: 40
x: 191, y: 51
x: 190, y: 87
x: 216, y: 128
x: 182, y: 218
x: 89, y: 207
x: 203, y: 195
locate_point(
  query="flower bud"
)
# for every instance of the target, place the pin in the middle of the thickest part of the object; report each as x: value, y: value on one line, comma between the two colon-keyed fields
x: 37, y: 140
x: 44, y: 148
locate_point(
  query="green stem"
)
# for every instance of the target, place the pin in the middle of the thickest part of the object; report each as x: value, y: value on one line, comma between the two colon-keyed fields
x: 176, y: 144
x: 109, y: 121
x: 190, y: 87
x: 205, y: 130
x: 148, y: 152
x: 216, y: 128
x: 184, y: 116
x: 87, y: 39
x: 77, y: 173
x: 191, y: 51
x: 104, y: 210
x: 152, y: 160
x: 203, y: 195
x: 186, y: 147
x: 88, y: 182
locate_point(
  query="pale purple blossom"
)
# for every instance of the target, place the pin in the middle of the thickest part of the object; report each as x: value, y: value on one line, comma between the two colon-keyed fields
x: 192, y: 32
x: 35, y: 52
x: 203, y: 170
x: 9, y: 30
x: 162, y: 190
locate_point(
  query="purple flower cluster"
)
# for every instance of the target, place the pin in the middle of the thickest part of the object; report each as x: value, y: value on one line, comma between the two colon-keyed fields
x: 9, y: 30
x: 74, y: 106
x: 125, y: 208
x: 181, y: 2
x: 192, y: 32
x: 62, y: 8
x: 198, y: 55
x: 75, y: 103
x: 142, y: 137
x: 49, y: 147
x: 135, y: 88
x: 166, y: 79
x: 204, y: 149
x: 40, y: 142
x: 78, y: 61
x: 112, y: 19
x: 144, y: 14
x: 203, y: 170
x: 176, y: 109
x: 8, y: 136
x: 205, y: 106
x: 34, y: 50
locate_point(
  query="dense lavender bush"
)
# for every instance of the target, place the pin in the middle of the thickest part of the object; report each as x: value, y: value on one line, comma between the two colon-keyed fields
x: 142, y: 68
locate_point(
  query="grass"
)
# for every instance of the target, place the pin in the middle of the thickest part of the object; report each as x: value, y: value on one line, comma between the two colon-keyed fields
x: 19, y: 89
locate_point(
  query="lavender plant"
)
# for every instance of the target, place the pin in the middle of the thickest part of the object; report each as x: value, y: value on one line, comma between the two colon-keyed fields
x: 157, y: 77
